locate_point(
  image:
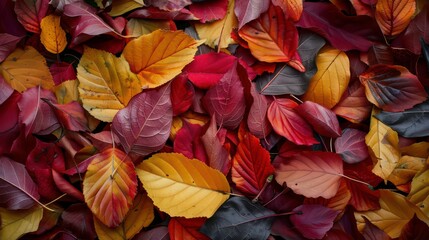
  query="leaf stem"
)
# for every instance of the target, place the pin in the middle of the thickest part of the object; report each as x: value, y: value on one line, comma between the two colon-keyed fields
x: 356, y: 180
x: 275, y: 197
x: 297, y: 99
x: 267, y: 181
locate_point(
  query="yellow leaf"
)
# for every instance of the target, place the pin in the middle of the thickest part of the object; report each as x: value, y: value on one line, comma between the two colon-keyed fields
x: 140, y: 215
x: 110, y: 185
x: 26, y: 68
x: 138, y: 27
x: 183, y: 187
x: 160, y: 56
x: 419, y: 193
x: 67, y: 92
x: 220, y: 29
x: 393, y: 16
x: 382, y: 142
x: 420, y: 149
x: 120, y: 7
x: 406, y: 168
x: 332, y: 78
x: 394, y: 213
x: 52, y: 35
x: 16, y: 223
x: 106, y: 83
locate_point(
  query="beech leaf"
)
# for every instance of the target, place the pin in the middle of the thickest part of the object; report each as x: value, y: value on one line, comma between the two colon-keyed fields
x: 144, y: 125
x: 292, y: 8
x: 393, y: 16
x: 351, y: 146
x: 257, y: 120
x: 313, y: 221
x: 183, y: 228
x: 7, y: 44
x: 372, y: 232
x: 16, y: 223
x: 239, y: 218
x: 30, y: 13
x: 52, y: 36
x: 181, y: 186
x: 109, y: 186
x: 247, y: 11
x: 208, y: 11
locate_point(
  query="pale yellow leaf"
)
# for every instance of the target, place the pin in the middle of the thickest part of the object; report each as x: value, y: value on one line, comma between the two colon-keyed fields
x: 382, y: 142
x: 160, y: 56
x: 16, y: 223
x: 331, y: 79
x: 26, y: 68
x: 52, y: 35
x: 67, y: 92
x: 120, y: 7
x: 218, y: 33
x: 181, y: 186
x: 138, y: 27
x: 106, y: 83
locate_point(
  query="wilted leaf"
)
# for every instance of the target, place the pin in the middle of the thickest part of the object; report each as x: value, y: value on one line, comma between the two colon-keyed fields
x: 144, y: 125
x: 52, y: 36
x: 247, y: 11
x: 26, y: 68
x: 169, y: 5
x: 286, y: 79
x: 17, y: 189
x: 16, y: 223
x: 351, y: 146
x: 240, y: 219
x: 287, y: 123
x: 106, y: 83
x: 251, y: 165
x: 331, y: 79
x: 208, y: 11
x: 272, y: 37
x: 120, y: 7
x: 163, y: 55
x: 408, y: 123
x: 312, y: 174
x: 291, y: 8
x: 313, y: 221
x: 382, y: 143
x: 392, y: 88
x: 183, y: 228
x: 110, y: 185
x: 393, y: 16
x: 181, y: 186
x: 30, y: 13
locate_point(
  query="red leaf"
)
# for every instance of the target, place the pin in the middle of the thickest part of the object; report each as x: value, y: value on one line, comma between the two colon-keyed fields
x: 188, y: 142
x: 380, y: 54
x: 372, y: 232
x: 7, y: 44
x: 351, y: 146
x: 46, y: 185
x: 208, y: 11
x: 45, y: 156
x: 78, y: 219
x: 251, y: 165
x: 5, y: 90
x: 66, y: 187
x: 37, y: 116
x: 17, y: 189
x: 280, y: 198
x: 323, y: 120
x: 70, y: 115
x: 156, y: 13
x: 62, y: 72
x: 169, y: 5
x: 415, y: 229
x: 248, y: 10
x: 158, y: 233
x: 218, y: 156
x: 312, y: 174
x: 30, y: 13
x: 288, y: 123
x: 183, y: 228
x: 9, y: 22
x: 225, y: 100
x: 314, y: 221
x: 144, y: 125
x: 257, y: 120
x: 343, y: 32
x: 182, y: 94
x: 392, y: 87
x: 208, y: 69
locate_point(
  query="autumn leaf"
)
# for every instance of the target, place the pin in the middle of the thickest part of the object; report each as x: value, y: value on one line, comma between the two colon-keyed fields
x: 106, y: 83
x: 257, y: 120
x: 351, y: 145
x: 247, y: 11
x: 120, y: 7
x: 338, y: 202
x: 293, y: 8
x: 419, y: 189
x: 208, y: 11
x: 16, y: 223
x: 26, y: 68
x: 393, y: 16
x: 332, y: 78
x: 110, y: 185
x: 8, y: 43
x: 183, y: 228
x: 52, y: 36
x: 406, y: 169
x: 181, y: 186
x: 30, y: 13
x: 163, y: 56
x: 372, y: 232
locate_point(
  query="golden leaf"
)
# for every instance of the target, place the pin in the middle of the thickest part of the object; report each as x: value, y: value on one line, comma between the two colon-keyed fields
x: 26, y: 68
x: 138, y: 27
x: 406, y: 169
x: 332, y: 78
x: 52, y: 36
x: 420, y: 149
x: 218, y: 33
x: 140, y: 215
x: 160, y: 56
x: 16, y: 223
x: 106, y: 83
x: 419, y: 193
x: 181, y: 186
x: 67, y: 92
x: 382, y: 142
x: 393, y: 16
x: 120, y: 7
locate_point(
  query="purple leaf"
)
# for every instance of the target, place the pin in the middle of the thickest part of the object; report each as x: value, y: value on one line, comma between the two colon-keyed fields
x: 351, y: 146
x: 314, y: 220
x: 248, y: 10
x: 7, y: 44
x: 5, y: 90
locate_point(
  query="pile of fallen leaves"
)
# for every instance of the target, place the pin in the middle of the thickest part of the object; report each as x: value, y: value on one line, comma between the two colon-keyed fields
x: 214, y: 119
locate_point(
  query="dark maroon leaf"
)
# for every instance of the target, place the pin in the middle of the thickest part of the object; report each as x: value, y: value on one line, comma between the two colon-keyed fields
x: 9, y: 126
x: 7, y: 44
x: 62, y: 72
x: 46, y: 185
x: 30, y: 13
x: 288, y: 80
x: 208, y: 11
x: 257, y: 120
x: 239, y: 218
x: 169, y: 5
x: 66, y: 187
x: 343, y: 32
x: 155, y: 13
x: 186, y: 228
x: 372, y: 232
x: 225, y: 100
x: 282, y: 226
x: 5, y: 90
x: 425, y: 50
x: 45, y: 156
x: 78, y: 219
x: 17, y: 189
x: 313, y: 221
x: 347, y: 223
x: 189, y: 142
x: 158, y: 233
x: 248, y: 10
x: 144, y: 125
x: 351, y: 146
x: 415, y: 229
x: 182, y: 94
x: 280, y: 199
x: 70, y: 115
x: 380, y: 54
x: 9, y: 22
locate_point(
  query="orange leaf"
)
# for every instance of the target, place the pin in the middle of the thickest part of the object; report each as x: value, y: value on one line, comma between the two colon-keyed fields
x: 52, y: 35
x: 393, y: 16
x: 110, y: 185
x: 338, y: 202
x: 183, y: 228
x: 292, y: 8
x: 312, y: 174
x: 160, y: 56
